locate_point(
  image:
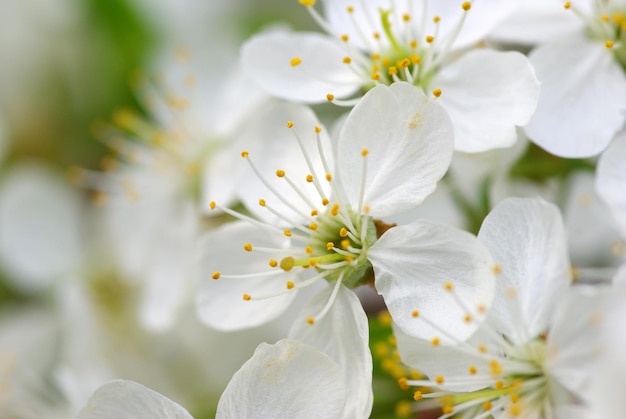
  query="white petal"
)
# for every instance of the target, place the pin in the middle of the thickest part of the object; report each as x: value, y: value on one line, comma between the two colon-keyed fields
x: 527, y: 240
x: 412, y: 264
x: 129, y: 400
x: 220, y: 303
x: 266, y: 58
x: 288, y: 379
x: 409, y: 139
x: 40, y: 223
x: 581, y: 106
x: 343, y: 335
x: 361, y: 24
x: 611, y: 180
x: 487, y: 93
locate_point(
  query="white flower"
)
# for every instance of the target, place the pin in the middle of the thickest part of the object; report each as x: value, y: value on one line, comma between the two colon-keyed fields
x: 611, y: 180
x: 324, y: 223
x: 486, y: 92
x: 583, y: 82
x: 535, y: 353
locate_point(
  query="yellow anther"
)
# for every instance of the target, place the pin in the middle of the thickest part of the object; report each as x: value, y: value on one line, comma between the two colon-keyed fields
x: 307, y: 3
x: 514, y: 397
x: 309, y: 178
x: 404, y: 63
x: 329, y: 177
x: 345, y: 243
x: 481, y: 308
x: 415, y: 59
x: 604, y: 18
x: 448, y: 286
x: 347, y: 60
x: 335, y: 210
x: 313, y: 226
x: 482, y: 349
x: 430, y: 39
x: 273, y: 263
x: 314, y: 213
x: 472, y: 370
x: 287, y: 263
x: 318, y: 129
x: 290, y: 285
x: 406, y: 17
x: 295, y: 61
x: 343, y: 232
x: 437, y: 92
x: 212, y: 205
x: 245, y: 154
x: 247, y: 247
x: 498, y: 385
x: 376, y: 68
x: 330, y: 245
x: 435, y: 341
x: 515, y: 409
x: 567, y: 5
x: 289, y: 124
x: 487, y: 406
x: 247, y: 297
x: 280, y: 173
x: 447, y: 410
x: 417, y: 395
x: 375, y: 76
x: 365, y: 152
x: 496, y: 269
x: 366, y: 209
x: 310, y: 320
x: 262, y: 202
x: 345, y: 37
x: 330, y: 97
x: 439, y: 379
x: 436, y: 19
x: 375, y: 57
x: 313, y: 262
x: 393, y: 70
x: 403, y: 383
x: 495, y: 367
x: 376, y: 35
x: 609, y: 44
x: 287, y: 232
x: 466, y: 5
x: 415, y: 313
x: 325, y: 201
x: 349, y: 259
x: 308, y: 250
x: 467, y: 318
x: 350, y: 9
x: 216, y: 275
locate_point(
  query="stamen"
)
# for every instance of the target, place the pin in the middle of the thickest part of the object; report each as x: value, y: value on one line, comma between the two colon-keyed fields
x: 330, y: 301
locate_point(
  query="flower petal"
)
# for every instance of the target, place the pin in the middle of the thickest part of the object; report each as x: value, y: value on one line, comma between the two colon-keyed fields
x: 611, y: 180
x: 267, y: 60
x: 527, y: 241
x: 346, y: 319
x: 581, y: 106
x: 487, y: 93
x: 413, y: 264
x: 220, y: 302
x: 129, y: 400
x: 288, y: 379
x: 409, y: 140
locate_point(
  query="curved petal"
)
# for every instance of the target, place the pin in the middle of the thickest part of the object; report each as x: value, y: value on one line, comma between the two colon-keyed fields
x: 611, y: 180
x: 347, y: 320
x: 220, y: 303
x: 129, y: 400
x: 413, y: 266
x: 409, y: 140
x: 581, y: 104
x: 288, y: 379
x: 267, y: 60
x: 527, y: 241
x: 487, y: 93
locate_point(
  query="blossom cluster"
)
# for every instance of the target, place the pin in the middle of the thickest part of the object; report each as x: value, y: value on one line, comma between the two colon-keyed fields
x: 453, y: 165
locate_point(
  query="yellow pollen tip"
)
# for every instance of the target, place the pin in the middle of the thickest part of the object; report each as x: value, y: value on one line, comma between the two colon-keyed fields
x: 347, y: 60
x: 335, y: 209
x: 609, y: 44
x: 499, y: 385
x: 247, y: 297
x: 467, y: 318
x: 314, y: 213
x: 310, y: 320
x: 290, y: 285
x: 403, y: 383
x: 567, y: 5
x: 307, y: 3
x: 245, y: 154
x: 466, y: 5
x: 413, y: 44
x: 287, y: 232
x: 330, y: 245
x: 447, y: 410
x: 289, y: 124
x: 247, y: 247
x: 376, y: 35
x: 515, y: 410
x: 448, y: 286
x: 273, y: 263
x: 349, y: 259
x: 308, y: 250
x: 216, y: 275
x: 472, y: 370
x: 437, y: 92
x: 435, y: 341
x: 482, y: 349
x: 439, y: 379
x: 345, y: 37
x: 366, y: 209
x: 329, y: 177
x: 514, y: 397
x: 415, y: 313
x: 415, y: 59
x: 345, y: 243
x: 343, y: 232
x: 212, y: 205
x: 364, y: 152
x: 496, y: 269
x: 406, y: 17
x: 487, y: 406
x: 393, y: 70
x: 309, y: 178
x: 350, y: 9
x: 375, y: 76
x: 280, y: 173
x: 417, y: 395
x: 313, y: 226
x: 318, y: 129
x: 405, y: 63
x: 287, y: 263
x: 436, y: 19
x: 430, y: 39
x: 295, y: 61
x: 325, y: 201
x: 330, y: 97
x: 262, y: 202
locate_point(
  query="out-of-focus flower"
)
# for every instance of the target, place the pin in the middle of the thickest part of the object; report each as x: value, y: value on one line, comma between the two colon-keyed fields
x: 611, y: 180
x: 394, y: 147
x: 535, y: 353
x: 486, y: 92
